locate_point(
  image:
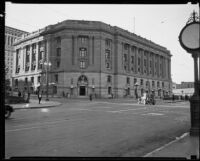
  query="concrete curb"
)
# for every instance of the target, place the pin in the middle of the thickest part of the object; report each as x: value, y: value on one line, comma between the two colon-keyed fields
x: 166, y: 145
x: 37, y: 107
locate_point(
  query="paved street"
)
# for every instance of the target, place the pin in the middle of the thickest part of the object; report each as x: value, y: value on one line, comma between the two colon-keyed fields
x: 100, y: 128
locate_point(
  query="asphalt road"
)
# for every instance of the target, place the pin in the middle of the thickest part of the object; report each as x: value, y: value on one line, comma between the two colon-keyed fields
x: 98, y: 129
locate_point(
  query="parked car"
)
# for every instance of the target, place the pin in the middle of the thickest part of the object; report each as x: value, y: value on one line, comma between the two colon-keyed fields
x: 8, y: 110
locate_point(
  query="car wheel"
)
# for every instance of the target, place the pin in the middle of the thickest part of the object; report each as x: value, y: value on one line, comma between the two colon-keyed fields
x: 7, y: 114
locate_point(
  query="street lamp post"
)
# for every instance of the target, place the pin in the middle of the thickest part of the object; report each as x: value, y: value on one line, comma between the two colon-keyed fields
x: 189, y: 40
x: 47, y: 64
x: 136, y: 85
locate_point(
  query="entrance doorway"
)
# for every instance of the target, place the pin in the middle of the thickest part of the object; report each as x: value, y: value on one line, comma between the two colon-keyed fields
x: 82, y: 91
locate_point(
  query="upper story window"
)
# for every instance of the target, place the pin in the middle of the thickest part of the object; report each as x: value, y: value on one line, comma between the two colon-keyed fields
x: 163, y: 84
x: 128, y: 80
x: 27, y: 50
x: 153, y: 84
x: 125, y: 68
x: 58, y: 52
x: 108, y: 42
x: 141, y: 82
x: 83, y: 39
x: 56, y: 78
x: 83, y: 52
x: 26, y: 80
x: 132, y: 59
x: 16, y: 82
x: 158, y: 84
x: 58, y: 64
x: 125, y: 58
x: 135, y: 80
x: 107, y: 54
x: 132, y: 49
x: 109, y: 79
x: 126, y: 46
x: 32, y: 79
x: 34, y: 48
x: 138, y: 61
x: 82, y: 64
x: 58, y: 41
x: 38, y: 79
x: 108, y: 65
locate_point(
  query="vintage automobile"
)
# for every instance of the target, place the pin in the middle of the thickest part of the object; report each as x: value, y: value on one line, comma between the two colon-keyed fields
x: 8, y: 110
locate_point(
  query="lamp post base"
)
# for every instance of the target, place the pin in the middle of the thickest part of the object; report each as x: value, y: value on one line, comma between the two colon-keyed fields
x: 194, y: 113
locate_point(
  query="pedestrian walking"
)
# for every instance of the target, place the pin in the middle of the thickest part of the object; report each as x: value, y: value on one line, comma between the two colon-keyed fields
x: 90, y: 97
x: 28, y: 97
x: 173, y: 97
x: 39, y: 96
x: 19, y: 94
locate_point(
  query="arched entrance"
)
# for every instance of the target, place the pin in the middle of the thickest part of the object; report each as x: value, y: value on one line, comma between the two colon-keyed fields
x: 82, y: 85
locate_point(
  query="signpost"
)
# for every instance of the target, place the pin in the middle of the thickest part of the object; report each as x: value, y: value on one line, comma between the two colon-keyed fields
x: 189, y: 40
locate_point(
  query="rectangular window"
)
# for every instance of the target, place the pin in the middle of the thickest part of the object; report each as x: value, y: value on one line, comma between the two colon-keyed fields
x: 138, y: 61
x: 38, y: 79
x: 135, y: 80
x: 125, y: 57
x: 128, y: 80
x: 83, y: 52
x: 153, y: 84
x: 83, y: 39
x: 58, y: 52
x: 132, y: 69
x: 16, y: 82
x: 108, y: 65
x: 108, y: 42
x: 126, y: 46
x: 141, y: 82
x: 58, y: 41
x: 145, y: 63
x: 82, y: 64
x: 56, y: 78
x: 32, y: 79
x: 26, y: 80
x: 109, y: 79
x: 58, y: 64
x: 132, y: 59
x: 125, y: 67
x: 107, y: 54
x: 158, y: 84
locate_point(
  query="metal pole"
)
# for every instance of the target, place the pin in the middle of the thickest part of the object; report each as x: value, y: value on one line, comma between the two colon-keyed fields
x: 47, y: 83
x: 195, y: 73
x: 199, y: 68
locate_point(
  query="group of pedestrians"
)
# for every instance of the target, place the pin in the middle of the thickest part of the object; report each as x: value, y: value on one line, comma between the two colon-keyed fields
x: 146, y: 99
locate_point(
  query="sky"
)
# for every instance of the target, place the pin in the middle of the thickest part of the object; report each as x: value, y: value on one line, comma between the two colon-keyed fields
x: 161, y: 24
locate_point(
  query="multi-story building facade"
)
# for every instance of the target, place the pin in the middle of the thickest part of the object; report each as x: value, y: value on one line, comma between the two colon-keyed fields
x: 91, y: 57
x: 11, y: 34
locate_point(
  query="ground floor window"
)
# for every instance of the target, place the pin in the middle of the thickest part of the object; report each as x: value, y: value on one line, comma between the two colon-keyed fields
x: 109, y: 90
x: 82, y: 91
x: 128, y: 91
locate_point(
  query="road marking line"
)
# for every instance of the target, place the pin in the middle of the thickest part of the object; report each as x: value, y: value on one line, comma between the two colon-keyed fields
x: 166, y: 145
x: 48, y: 123
x: 127, y: 110
x: 153, y: 114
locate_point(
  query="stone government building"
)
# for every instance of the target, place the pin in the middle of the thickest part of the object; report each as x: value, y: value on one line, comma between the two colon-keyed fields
x: 91, y: 57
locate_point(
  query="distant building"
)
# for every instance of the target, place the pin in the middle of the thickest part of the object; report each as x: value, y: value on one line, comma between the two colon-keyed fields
x: 11, y: 34
x: 185, y: 88
x: 91, y: 57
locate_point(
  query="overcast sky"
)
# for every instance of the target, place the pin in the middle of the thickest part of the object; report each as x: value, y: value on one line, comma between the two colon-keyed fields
x: 158, y: 23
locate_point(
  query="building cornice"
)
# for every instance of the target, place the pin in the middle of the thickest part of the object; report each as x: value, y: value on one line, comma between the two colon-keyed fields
x: 102, y: 27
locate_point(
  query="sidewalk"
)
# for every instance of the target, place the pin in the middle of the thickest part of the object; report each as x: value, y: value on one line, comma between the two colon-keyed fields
x: 34, y: 104
x: 184, y: 146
